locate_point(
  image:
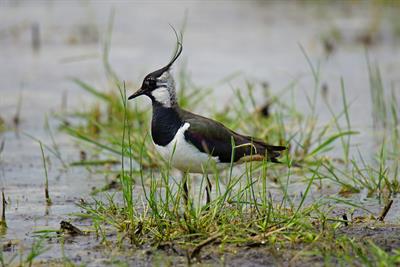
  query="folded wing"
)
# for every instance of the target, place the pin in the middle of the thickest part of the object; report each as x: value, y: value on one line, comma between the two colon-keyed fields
x: 215, y: 139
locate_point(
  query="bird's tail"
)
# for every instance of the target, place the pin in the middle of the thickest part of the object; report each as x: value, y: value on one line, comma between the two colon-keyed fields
x: 274, y: 152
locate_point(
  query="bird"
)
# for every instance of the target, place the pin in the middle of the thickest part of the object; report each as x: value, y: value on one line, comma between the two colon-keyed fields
x: 192, y: 142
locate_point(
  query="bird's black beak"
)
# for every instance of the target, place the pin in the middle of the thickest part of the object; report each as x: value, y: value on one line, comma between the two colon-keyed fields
x: 136, y: 94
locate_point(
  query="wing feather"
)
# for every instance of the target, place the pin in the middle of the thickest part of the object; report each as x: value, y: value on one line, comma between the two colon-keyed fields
x: 214, y: 138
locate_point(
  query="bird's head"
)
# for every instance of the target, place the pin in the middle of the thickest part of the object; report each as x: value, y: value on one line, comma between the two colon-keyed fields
x: 159, y: 85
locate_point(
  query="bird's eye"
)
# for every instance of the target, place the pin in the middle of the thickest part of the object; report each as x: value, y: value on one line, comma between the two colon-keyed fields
x: 150, y: 82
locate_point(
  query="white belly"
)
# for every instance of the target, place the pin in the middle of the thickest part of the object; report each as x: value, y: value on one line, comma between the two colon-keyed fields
x: 186, y: 157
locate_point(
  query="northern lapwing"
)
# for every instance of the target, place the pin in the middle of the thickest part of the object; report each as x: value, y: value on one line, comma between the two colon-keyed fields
x: 192, y: 141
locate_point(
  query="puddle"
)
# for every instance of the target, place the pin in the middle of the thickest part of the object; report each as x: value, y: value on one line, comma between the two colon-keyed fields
x: 263, y: 44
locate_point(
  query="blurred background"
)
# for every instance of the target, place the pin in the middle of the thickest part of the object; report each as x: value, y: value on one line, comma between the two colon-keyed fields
x: 44, y: 43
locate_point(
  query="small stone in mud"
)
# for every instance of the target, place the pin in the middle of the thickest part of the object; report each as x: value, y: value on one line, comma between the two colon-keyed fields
x: 346, y: 223
x: 83, y: 155
x: 114, y: 184
x: 265, y: 110
x: 325, y: 91
x: 10, y: 245
x: 368, y: 38
x: 68, y: 228
x: 329, y: 46
x: 16, y: 120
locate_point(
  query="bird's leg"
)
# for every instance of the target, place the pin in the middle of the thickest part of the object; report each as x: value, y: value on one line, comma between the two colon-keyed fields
x: 185, y: 189
x: 208, y: 189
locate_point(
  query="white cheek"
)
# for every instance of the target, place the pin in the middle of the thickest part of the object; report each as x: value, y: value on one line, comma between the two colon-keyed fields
x: 162, y: 95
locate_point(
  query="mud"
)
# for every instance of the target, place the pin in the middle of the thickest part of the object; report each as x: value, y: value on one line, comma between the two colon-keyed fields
x: 43, y: 43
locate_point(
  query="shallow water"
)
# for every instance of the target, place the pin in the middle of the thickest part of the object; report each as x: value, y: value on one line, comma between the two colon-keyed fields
x: 260, y: 40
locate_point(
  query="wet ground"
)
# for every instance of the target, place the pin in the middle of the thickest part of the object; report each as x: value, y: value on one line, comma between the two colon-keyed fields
x: 44, y: 43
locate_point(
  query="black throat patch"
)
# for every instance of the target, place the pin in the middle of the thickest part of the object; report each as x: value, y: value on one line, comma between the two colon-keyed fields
x: 164, y: 124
